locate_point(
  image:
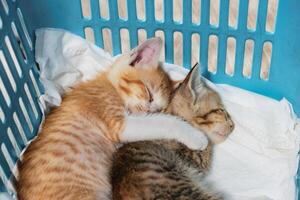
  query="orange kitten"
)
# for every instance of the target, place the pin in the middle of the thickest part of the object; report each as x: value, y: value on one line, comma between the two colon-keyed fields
x: 71, y: 157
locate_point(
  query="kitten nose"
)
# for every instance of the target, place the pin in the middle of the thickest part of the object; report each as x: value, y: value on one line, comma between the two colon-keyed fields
x: 231, y: 125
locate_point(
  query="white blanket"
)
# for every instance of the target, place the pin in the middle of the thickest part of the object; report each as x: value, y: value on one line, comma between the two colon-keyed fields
x: 258, y: 160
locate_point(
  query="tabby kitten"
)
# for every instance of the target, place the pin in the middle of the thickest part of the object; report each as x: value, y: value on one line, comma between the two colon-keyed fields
x: 166, y: 169
x: 71, y: 157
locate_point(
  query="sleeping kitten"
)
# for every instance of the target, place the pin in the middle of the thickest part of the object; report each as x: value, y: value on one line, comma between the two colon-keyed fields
x: 168, y: 170
x: 71, y: 157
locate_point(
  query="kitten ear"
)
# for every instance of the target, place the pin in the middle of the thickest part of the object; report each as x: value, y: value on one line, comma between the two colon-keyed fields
x: 193, y: 83
x: 146, y: 54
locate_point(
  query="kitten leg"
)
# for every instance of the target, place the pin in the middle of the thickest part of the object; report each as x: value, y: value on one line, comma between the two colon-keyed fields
x: 161, y: 126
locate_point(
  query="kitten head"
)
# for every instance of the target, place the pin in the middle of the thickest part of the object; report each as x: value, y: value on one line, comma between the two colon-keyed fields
x: 138, y: 78
x: 198, y: 104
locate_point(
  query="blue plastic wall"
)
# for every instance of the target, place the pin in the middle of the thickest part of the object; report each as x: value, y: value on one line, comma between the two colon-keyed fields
x: 284, y: 78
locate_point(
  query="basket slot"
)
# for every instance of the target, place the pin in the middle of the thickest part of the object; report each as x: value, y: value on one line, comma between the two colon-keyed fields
x: 213, y: 54
x: 252, y: 14
x: 107, y: 43
x: 122, y: 9
x: 20, y: 128
x: 24, y: 28
x: 4, y: 174
x: 86, y: 9
x: 25, y: 113
x: 14, y: 142
x: 161, y: 34
x: 5, y: 6
x: 266, y: 61
x: 125, y: 40
x: 248, y: 58
x: 214, y: 11
x: 142, y: 35
x: 89, y: 34
x: 159, y: 8
x: 230, y: 56
x: 272, y: 15
x: 13, y: 55
x: 9, y: 153
x: 178, y: 41
x: 4, y: 95
x: 7, y: 72
x: 37, y: 89
x: 104, y: 10
x: 196, y: 11
x: 2, y: 116
x: 233, y: 13
x: 30, y: 100
x: 139, y: 8
x: 195, y: 48
x: 19, y: 42
x: 177, y: 11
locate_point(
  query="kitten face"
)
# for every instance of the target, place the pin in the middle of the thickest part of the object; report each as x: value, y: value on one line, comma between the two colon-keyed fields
x: 139, y: 79
x: 202, y: 107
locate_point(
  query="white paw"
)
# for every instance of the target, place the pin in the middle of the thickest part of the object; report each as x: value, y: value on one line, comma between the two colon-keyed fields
x: 198, y: 141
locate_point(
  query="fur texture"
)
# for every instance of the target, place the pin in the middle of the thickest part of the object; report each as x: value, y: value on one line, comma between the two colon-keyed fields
x: 168, y: 169
x: 71, y: 157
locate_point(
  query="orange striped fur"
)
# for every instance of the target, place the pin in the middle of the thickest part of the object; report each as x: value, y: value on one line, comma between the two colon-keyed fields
x: 71, y: 157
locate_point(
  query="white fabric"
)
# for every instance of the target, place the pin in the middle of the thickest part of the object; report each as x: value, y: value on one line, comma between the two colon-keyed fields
x: 258, y: 160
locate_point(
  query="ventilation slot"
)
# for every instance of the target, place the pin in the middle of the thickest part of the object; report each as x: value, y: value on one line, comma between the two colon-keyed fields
x: 25, y: 113
x: 19, y: 41
x: 24, y: 28
x: 125, y: 40
x: 20, y: 128
x: 86, y: 9
x: 230, y: 56
x: 159, y: 10
x: 233, y: 13
x: 5, y: 6
x: 195, y: 48
x: 122, y: 9
x: 104, y: 11
x: 107, y: 40
x: 7, y: 157
x: 7, y: 71
x: 177, y: 10
x: 271, y: 15
x: 266, y: 61
x: 1, y: 23
x: 140, y: 10
x: 196, y: 11
x: 89, y: 34
x: 212, y: 53
x: 28, y: 94
x: 161, y: 35
x: 252, y: 14
x: 178, y: 48
x: 214, y: 12
x: 2, y: 116
x: 13, y: 142
x: 248, y: 58
x: 13, y: 55
x: 142, y: 35
x: 36, y: 88
x: 5, y: 93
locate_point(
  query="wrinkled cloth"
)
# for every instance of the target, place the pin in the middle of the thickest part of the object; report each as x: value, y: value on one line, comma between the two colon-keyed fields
x: 257, y: 162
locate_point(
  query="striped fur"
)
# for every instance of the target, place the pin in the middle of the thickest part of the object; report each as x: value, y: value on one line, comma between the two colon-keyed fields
x: 167, y: 169
x: 71, y: 157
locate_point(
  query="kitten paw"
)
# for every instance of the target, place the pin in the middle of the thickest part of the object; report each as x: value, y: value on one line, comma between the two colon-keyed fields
x: 198, y: 141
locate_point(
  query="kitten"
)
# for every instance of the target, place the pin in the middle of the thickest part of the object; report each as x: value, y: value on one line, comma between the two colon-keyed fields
x: 71, y: 156
x: 166, y: 169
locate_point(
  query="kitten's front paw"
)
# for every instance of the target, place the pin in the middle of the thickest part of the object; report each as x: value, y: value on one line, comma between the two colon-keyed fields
x: 198, y: 141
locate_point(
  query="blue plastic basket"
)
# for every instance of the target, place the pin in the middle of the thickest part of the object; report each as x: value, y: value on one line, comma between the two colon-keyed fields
x: 20, y: 113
